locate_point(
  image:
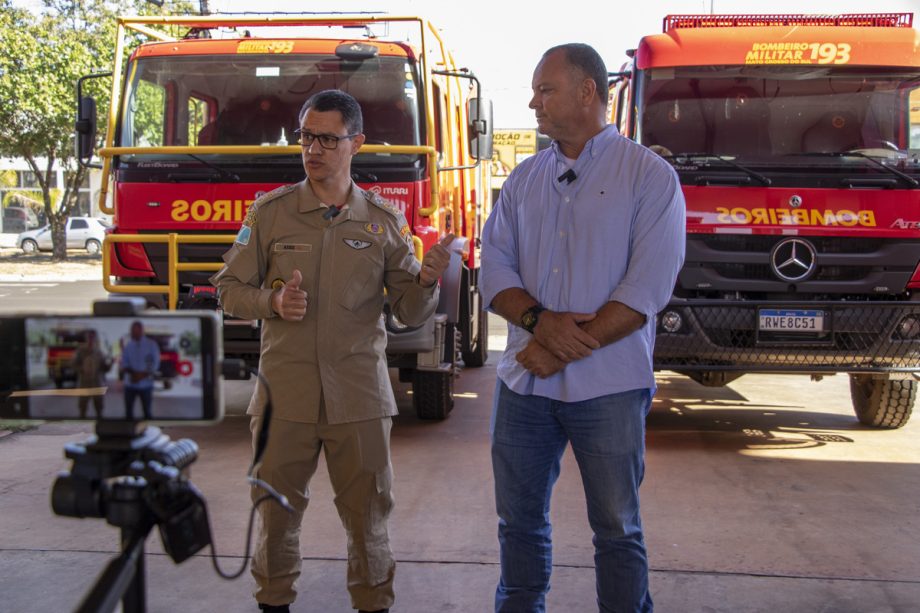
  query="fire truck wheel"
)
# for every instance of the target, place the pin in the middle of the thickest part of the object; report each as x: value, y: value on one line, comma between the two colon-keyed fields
x: 474, y: 351
x: 882, y: 403
x: 92, y: 246
x: 432, y: 394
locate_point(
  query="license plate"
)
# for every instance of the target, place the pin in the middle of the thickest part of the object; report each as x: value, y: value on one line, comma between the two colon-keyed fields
x: 791, y: 320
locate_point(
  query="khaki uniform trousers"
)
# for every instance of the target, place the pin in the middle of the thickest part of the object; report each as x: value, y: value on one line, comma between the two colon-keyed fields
x: 358, y: 459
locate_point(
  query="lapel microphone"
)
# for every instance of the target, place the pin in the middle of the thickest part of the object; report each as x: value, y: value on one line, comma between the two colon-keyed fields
x: 331, y: 212
x: 568, y: 176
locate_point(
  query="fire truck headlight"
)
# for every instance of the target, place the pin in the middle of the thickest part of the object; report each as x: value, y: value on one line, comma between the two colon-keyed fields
x: 394, y: 324
x: 909, y: 328
x: 671, y: 321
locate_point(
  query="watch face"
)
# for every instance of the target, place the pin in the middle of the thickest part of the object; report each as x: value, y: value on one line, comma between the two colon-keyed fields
x: 528, y: 320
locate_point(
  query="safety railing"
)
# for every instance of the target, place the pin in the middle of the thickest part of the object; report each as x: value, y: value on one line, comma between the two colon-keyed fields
x: 174, y: 266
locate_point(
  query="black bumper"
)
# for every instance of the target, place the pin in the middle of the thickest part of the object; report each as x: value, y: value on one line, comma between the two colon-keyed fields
x: 726, y: 335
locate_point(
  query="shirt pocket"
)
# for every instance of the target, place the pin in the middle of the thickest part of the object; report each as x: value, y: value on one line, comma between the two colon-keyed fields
x: 361, y: 265
x: 286, y: 258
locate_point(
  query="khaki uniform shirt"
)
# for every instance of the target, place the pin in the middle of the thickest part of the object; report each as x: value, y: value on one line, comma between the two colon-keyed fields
x: 338, y: 349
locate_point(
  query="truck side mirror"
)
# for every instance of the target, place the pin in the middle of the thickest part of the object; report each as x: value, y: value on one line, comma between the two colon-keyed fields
x: 479, y: 111
x: 85, y: 127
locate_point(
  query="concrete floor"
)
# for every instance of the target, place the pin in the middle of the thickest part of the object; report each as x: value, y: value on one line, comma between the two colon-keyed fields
x: 763, y: 496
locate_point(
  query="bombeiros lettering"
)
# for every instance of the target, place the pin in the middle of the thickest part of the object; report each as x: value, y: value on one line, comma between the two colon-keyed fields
x: 204, y: 210
x: 794, y: 217
x: 799, y: 53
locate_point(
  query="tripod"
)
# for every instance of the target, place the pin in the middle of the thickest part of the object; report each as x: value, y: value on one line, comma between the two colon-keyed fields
x: 132, y: 476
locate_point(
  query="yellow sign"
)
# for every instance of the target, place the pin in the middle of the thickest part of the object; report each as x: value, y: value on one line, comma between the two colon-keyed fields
x: 798, y: 53
x: 265, y: 46
x: 509, y: 148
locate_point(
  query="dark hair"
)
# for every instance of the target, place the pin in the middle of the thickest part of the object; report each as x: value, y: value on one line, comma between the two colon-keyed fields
x: 336, y: 100
x: 588, y: 61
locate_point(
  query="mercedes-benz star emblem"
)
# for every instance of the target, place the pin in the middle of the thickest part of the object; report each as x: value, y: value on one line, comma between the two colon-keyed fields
x: 793, y: 259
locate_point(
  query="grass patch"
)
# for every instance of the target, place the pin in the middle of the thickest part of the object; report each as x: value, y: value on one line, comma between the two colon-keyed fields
x: 17, y: 425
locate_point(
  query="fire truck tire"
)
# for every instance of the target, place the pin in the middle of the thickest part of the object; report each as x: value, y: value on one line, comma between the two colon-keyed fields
x: 474, y: 334
x: 882, y: 403
x: 432, y: 394
x: 474, y: 351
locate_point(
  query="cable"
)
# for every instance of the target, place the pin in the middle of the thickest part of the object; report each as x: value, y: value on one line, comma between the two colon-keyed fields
x: 272, y: 494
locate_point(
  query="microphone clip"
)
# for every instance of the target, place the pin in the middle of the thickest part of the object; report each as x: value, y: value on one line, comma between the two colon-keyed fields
x: 331, y: 212
x: 568, y: 176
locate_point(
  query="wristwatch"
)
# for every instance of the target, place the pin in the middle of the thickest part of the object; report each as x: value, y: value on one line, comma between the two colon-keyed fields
x: 531, y: 316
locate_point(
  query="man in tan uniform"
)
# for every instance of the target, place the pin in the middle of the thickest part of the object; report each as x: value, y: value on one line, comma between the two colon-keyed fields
x: 312, y: 261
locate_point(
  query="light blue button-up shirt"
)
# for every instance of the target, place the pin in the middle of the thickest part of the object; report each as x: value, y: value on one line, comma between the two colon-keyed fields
x: 141, y: 355
x: 615, y: 233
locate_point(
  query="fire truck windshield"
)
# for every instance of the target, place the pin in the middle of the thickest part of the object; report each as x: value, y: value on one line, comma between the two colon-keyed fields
x: 764, y: 114
x: 255, y: 99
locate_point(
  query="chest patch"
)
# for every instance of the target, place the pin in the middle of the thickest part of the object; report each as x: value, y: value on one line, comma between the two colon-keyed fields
x: 356, y: 244
x: 301, y: 247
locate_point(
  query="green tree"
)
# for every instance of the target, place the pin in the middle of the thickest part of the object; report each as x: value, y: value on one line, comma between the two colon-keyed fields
x: 43, y: 56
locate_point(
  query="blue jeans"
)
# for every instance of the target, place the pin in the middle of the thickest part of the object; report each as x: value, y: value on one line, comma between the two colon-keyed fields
x: 146, y: 396
x: 529, y: 436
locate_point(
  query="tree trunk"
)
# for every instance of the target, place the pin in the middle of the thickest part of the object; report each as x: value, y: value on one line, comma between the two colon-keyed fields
x: 58, y: 237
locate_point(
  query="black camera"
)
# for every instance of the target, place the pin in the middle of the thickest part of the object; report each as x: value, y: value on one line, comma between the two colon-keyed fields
x: 101, y: 368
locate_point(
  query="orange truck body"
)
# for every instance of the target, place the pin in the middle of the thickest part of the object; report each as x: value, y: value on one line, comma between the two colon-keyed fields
x: 202, y: 123
x: 797, y: 142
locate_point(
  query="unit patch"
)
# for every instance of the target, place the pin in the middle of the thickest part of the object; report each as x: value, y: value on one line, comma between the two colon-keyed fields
x: 404, y: 231
x: 244, y: 235
x: 356, y: 244
x: 374, y: 228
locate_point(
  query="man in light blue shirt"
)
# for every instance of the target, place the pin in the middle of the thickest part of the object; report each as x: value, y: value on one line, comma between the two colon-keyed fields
x: 140, y: 361
x: 580, y: 253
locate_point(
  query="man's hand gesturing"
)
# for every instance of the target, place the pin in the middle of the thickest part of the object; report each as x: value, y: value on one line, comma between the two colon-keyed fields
x: 290, y: 302
x: 435, y: 262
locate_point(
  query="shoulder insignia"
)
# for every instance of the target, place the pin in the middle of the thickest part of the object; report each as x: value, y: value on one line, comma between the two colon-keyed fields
x: 373, y: 228
x: 404, y: 230
x: 265, y: 199
x: 384, y: 204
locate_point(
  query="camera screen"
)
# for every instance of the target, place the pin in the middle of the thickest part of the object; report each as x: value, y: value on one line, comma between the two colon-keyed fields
x: 144, y: 368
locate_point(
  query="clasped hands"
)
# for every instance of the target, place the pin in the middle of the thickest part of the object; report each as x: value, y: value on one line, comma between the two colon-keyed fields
x: 558, y: 339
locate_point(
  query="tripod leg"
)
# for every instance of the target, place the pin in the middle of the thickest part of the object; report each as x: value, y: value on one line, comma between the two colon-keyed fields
x: 135, y: 598
x: 122, y: 579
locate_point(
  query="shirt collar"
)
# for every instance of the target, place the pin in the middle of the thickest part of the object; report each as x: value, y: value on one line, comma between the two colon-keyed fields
x: 356, y: 203
x: 595, y: 146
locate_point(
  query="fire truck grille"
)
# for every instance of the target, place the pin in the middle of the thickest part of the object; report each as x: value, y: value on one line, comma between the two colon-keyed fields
x: 823, y: 244
x: 789, y: 336
x: 763, y: 272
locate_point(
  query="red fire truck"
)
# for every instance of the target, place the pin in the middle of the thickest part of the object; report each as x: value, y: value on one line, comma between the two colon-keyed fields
x: 201, y: 123
x: 797, y: 142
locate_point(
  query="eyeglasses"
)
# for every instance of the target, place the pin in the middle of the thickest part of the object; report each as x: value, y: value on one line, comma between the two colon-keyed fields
x: 326, y: 141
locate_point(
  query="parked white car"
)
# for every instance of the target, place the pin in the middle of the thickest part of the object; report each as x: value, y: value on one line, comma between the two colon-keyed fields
x: 82, y: 233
